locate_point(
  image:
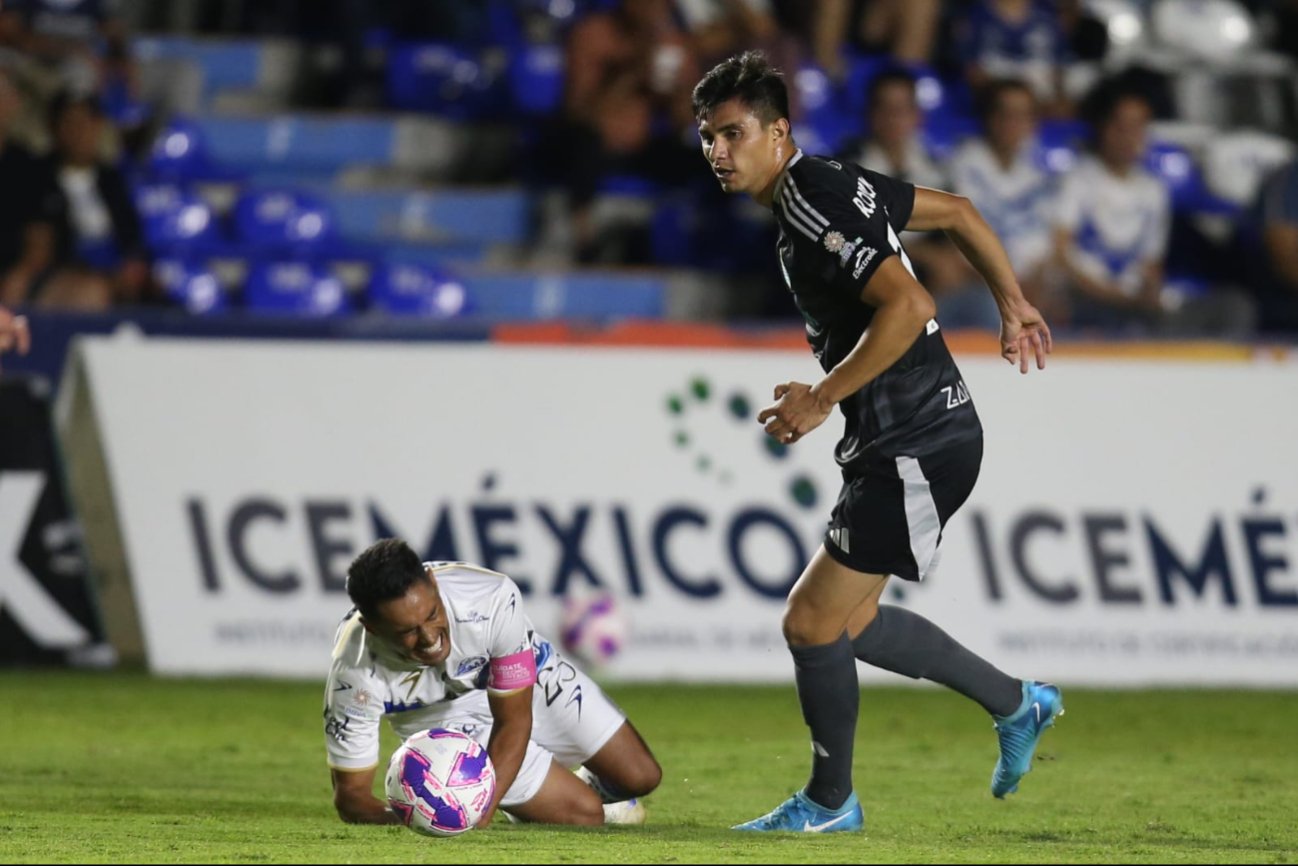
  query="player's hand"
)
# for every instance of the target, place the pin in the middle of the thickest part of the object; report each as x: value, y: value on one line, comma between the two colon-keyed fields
x: 14, y: 332
x: 796, y: 412
x: 1024, y: 334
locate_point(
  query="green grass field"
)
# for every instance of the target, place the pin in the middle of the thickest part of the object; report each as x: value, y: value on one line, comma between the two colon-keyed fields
x: 125, y: 768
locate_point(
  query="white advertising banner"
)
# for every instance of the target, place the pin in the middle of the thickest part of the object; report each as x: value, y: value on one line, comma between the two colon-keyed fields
x: 1135, y: 522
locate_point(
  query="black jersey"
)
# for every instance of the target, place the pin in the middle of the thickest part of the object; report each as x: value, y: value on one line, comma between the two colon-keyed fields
x: 838, y: 223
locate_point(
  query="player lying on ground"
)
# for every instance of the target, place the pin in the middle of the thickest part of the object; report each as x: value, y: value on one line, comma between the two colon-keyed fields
x: 447, y: 645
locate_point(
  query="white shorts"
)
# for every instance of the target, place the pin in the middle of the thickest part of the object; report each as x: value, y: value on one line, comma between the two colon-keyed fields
x: 572, y: 719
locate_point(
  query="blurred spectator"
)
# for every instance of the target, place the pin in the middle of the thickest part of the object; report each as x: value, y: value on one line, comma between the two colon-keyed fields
x: 719, y: 28
x: 79, y: 44
x: 1015, y: 39
x: 99, y: 253
x: 1000, y: 175
x: 627, y: 104
x: 904, y: 29
x: 26, y: 208
x: 14, y: 333
x: 894, y: 148
x: 1111, y: 233
x: 1271, y: 250
x: 893, y: 145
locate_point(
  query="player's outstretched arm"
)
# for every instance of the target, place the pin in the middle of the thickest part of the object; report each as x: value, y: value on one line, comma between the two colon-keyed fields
x: 1024, y: 332
x: 355, y: 801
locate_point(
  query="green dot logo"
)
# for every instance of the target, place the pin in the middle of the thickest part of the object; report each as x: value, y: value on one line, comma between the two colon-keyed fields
x: 738, y: 406
x: 803, y: 490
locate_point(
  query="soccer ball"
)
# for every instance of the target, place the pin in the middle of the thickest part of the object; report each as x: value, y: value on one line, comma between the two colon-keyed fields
x: 593, y: 627
x: 440, y: 782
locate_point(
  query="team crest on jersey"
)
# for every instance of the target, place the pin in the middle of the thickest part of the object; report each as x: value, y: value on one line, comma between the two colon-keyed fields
x: 846, y: 251
x: 834, y: 241
x: 471, y: 664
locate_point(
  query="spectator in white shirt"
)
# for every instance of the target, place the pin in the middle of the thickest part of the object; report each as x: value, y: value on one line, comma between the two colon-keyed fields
x: 999, y: 173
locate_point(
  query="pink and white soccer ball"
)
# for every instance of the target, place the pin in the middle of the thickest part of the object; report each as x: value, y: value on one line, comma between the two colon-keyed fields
x: 593, y: 627
x: 440, y: 782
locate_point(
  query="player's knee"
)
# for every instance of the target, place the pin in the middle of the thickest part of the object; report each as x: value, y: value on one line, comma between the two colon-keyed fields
x: 643, y: 777
x: 588, y: 812
x: 803, y: 625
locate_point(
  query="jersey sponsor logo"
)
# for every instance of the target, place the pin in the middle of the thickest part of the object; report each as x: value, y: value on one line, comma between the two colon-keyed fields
x: 866, y: 200
x: 473, y: 618
x: 956, y: 395
x: 834, y: 241
x: 863, y: 259
x: 470, y: 664
x: 846, y: 252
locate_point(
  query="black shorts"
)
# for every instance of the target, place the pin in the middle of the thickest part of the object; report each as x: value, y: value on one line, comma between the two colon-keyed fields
x: 889, y: 519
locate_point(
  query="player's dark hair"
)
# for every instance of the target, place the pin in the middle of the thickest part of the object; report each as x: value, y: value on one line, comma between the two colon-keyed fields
x: 890, y: 76
x: 386, y: 570
x: 989, y: 97
x: 748, y: 77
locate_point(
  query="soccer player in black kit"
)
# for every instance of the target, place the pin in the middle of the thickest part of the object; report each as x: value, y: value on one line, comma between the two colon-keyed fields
x: 912, y: 444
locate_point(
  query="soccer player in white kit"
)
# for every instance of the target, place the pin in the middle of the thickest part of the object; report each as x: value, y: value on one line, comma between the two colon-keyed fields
x: 447, y: 645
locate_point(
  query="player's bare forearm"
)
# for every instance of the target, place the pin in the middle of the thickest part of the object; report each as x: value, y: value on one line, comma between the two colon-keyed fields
x: 892, y: 331
x: 355, y: 801
x: 510, y: 731
x: 956, y: 215
x: 902, y: 309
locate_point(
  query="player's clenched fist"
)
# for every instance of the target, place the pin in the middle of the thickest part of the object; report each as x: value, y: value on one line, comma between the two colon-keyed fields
x: 797, y: 411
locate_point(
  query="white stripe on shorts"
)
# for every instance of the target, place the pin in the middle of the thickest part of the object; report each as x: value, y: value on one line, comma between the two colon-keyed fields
x: 921, y: 514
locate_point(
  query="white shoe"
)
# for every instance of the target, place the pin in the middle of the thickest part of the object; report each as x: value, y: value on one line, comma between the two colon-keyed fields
x: 621, y: 812
x: 625, y: 812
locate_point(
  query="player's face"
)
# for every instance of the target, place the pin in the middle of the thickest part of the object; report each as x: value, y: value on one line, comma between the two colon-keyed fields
x: 745, y: 155
x: 416, y: 623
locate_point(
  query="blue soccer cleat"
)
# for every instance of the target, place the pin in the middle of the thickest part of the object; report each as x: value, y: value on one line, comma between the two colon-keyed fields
x: 1019, y: 733
x: 798, y: 814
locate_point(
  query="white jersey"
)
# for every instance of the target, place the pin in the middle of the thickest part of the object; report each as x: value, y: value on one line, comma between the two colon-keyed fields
x: 1017, y: 202
x: 370, y: 680
x: 1117, y: 223
x: 919, y: 169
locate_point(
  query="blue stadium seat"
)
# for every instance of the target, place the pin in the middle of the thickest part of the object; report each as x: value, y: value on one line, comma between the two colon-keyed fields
x: 536, y: 78
x: 191, y: 285
x: 225, y: 63
x: 824, y: 123
x: 284, y: 222
x: 447, y: 216
x: 418, y: 290
x: 1060, y: 143
x: 944, y: 131
x: 175, y: 219
x: 443, y: 79
x: 1177, y: 168
x: 294, y: 288
x: 595, y: 297
x: 179, y: 154
x: 302, y: 145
